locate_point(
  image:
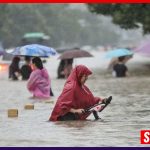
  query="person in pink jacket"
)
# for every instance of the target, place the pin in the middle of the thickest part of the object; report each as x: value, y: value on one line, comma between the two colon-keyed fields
x: 39, y: 80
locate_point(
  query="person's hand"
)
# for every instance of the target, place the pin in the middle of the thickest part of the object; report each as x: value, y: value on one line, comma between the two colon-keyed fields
x: 17, y: 74
x: 79, y: 111
x: 62, y: 73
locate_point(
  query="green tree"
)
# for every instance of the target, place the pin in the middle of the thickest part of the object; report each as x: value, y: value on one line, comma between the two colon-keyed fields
x: 3, y: 10
x: 127, y: 16
x: 3, y: 17
x: 66, y: 27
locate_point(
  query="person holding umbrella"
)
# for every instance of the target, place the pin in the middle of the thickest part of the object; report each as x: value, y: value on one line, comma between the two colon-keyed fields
x: 39, y: 80
x: 120, y: 69
x: 37, y: 50
x: 66, y: 64
x: 65, y: 67
x: 119, y: 58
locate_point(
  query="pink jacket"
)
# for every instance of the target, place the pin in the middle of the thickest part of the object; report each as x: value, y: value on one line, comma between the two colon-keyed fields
x: 39, y: 83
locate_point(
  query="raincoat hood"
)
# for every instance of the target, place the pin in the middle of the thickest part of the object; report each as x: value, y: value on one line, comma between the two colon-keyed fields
x: 78, y: 72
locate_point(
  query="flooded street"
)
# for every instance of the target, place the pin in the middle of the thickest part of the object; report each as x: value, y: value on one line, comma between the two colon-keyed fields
x: 122, y: 120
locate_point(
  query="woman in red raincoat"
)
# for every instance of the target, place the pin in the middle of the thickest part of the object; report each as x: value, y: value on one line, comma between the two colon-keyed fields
x: 75, y: 97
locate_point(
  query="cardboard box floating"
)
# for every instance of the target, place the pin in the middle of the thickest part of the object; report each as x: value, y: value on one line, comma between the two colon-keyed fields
x: 12, y: 112
x: 29, y: 106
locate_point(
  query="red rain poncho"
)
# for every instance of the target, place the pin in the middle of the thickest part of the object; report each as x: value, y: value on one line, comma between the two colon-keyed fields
x: 74, y: 95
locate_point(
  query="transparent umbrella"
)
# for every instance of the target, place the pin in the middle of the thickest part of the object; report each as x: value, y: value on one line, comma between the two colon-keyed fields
x: 34, y: 50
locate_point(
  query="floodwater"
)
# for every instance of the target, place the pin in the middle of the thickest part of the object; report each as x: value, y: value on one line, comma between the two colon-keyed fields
x: 122, y: 120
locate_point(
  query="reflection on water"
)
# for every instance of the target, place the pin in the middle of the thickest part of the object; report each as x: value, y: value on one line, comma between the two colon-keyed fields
x: 73, y: 124
x: 121, y: 121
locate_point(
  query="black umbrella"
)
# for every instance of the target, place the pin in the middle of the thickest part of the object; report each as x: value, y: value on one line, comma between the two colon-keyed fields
x: 75, y: 53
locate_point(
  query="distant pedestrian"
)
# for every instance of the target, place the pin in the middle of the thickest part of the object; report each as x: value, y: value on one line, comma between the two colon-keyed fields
x: 68, y: 67
x: 26, y: 68
x: 120, y: 69
x: 60, y: 70
x: 65, y: 67
x: 14, y: 70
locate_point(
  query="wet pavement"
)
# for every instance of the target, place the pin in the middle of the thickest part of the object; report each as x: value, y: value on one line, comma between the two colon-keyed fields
x: 121, y: 122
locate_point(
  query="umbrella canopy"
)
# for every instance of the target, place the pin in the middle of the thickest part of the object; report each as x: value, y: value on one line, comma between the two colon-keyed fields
x: 118, y: 53
x: 75, y: 53
x: 35, y: 35
x: 2, y: 52
x: 34, y: 50
x: 144, y: 48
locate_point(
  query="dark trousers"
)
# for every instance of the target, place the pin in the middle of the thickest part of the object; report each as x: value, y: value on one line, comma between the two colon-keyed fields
x: 51, y: 92
x: 69, y: 116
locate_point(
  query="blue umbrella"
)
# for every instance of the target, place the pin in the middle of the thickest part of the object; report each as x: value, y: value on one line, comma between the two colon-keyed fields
x: 118, y: 53
x: 34, y: 50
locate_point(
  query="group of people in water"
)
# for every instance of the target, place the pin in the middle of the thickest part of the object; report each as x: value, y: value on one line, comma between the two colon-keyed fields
x: 38, y: 79
x: 75, y: 96
x: 15, y: 71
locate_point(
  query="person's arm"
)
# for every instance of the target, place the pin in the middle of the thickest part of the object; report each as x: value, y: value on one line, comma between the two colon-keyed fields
x: 127, y: 74
x: 79, y: 111
x: 112, y: 63
x: 32, y: 82
x: 10, y: 72
x: 17, y: 74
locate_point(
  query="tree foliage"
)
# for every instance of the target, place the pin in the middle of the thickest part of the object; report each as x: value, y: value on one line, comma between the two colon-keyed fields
x: 66, y: 27
x: 127, y: 16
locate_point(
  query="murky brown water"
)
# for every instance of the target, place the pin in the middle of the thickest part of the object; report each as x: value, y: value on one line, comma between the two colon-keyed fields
x: 121, y: 121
